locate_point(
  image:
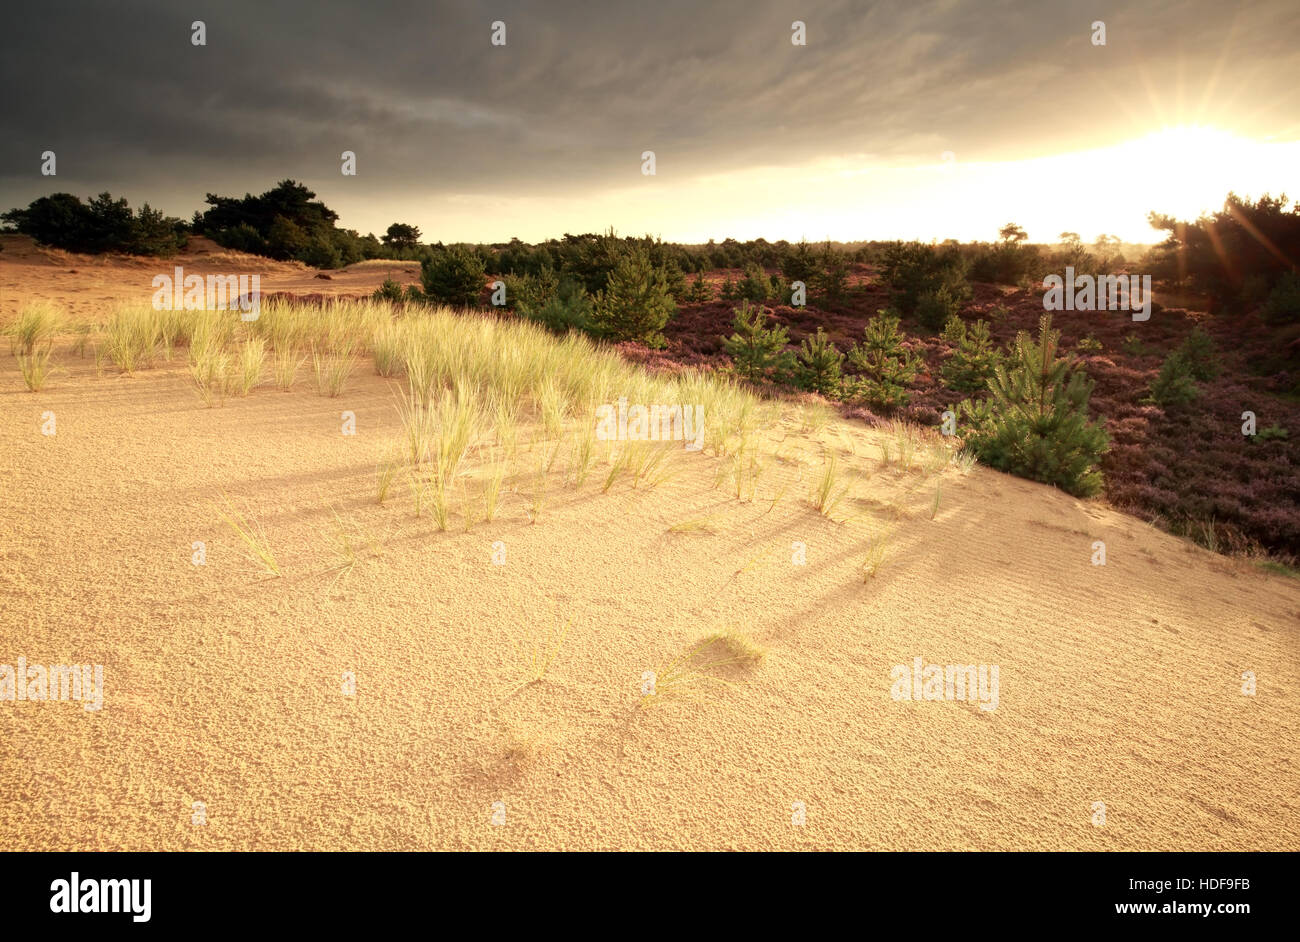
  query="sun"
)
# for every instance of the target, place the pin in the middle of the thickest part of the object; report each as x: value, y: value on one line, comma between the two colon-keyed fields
x: 1188, y: 169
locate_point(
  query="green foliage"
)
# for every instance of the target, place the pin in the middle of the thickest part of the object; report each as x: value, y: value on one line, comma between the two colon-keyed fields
x: 885, y: 365
x: 527, y: 293
x: 970, y: 366
x: 819, y: 365
x: 101, y: 225
x: 568, y: 308
x: 1199, y: 352
x: 453, y: 276
x: 755, y: 286
x: 800, y: 264
x: 757, y: 351
x: 832, y: 279
x: 390, y: 290
x: 637, y: 301
x: 1090, y: 344
x: 728, y: 289
x: 1175, y: 385
x: 1283, y: 304
x: 1244, y: 247
x: 401, y: 236
x: 1133, y: 346
x: 699, y: 291
x: 912, y: 271
x: 933, y: 308
x: 1035, y: 423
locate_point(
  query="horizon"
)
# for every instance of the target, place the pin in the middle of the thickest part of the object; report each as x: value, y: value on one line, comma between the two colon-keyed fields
x: 753, y: 136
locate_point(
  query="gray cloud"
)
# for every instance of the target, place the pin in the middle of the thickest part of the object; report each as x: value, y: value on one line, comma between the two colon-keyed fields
x: 581, y: 89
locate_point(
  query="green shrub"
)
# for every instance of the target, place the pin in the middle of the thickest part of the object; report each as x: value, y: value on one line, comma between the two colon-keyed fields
x: 637, y: 301
x: 390, y: 290
x: 832, y: 278
x: 885, y: 365
x: 1035, y: 423
x: 1090, y: 344
x: 934, y: 308
x: 1283, y: 304
x: 1199, y: 352
x: 454, y: 276
x: 819, y: 365
x: 699, y: 291
x: 755, y: 286
x: 569, y: 308
x: 1175, y: 385
x: 970, y: 366
x: 758, y: 352
x: 911, y: 270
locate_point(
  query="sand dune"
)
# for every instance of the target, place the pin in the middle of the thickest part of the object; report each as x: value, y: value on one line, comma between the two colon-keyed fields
x: 1120, y: 684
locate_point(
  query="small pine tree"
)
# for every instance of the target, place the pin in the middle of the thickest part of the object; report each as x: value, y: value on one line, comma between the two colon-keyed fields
x: 800, y: 264
x: 728, y: 289
x: 1175, y: 385
x: 758, y: 352
x: 699, y: 292
x: 1037, y: 425
x: 832, y: 278
x: 886, y: 366
x: 819, y: 365
x: 1199, y: 352
x: 755, y: 286
x: 390, y: 290
x: 636, y: 303
x: 970, y: 366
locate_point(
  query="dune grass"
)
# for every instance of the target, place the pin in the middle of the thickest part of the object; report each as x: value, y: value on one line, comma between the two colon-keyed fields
x: 35, y: 366
x: 131, y: 336
x: 36, y: 326
x: 709, y: 661
x: 256, y: 546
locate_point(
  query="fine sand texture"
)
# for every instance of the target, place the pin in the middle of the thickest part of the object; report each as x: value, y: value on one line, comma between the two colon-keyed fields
x: 1119, y: 684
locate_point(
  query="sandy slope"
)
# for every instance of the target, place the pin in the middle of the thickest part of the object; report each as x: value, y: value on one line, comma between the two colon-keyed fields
x: 1118, y: 684
x: 88, y: 285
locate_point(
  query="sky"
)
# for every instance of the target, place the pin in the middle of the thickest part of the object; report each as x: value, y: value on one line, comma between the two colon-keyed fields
x: 904, y: 119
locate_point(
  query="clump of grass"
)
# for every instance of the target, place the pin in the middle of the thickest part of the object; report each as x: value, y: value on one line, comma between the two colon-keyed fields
x: 696, y: 525
x: 492, y: 489
x: 964, y: 460
x: 130, y: 337
x: 386, y: 349
x: 584, y: 443
x: 332, y: 369
x: 538, y: 651
x: 827, y: 492
x: 252, y: 354
x: 35, y: 367
x: 210, y: 370
x: 81, y: 336
x: 284, y: 364
x: 938, y: 494
x: 387, y: 474
x: 256, y: 546
x: 718, y: 658
x: 877, y: 544
x: 36, y: 325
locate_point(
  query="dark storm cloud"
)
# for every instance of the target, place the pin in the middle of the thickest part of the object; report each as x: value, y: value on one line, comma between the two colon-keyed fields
x: 581, y: 89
